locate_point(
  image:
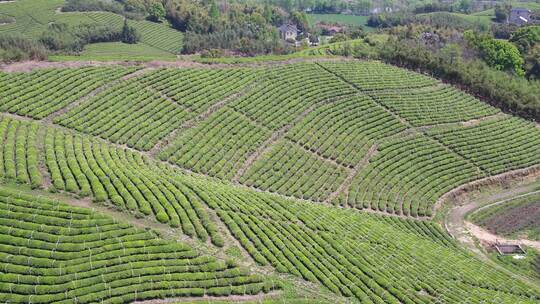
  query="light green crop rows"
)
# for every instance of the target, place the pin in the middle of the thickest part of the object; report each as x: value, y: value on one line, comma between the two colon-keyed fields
x: 19, y: 153
x: 290, y: 170
x: 407, y: 176
x: 434, y: 105
x: 495, y: 145
x: 199, y: 89
x: 87, y: 167
x: 373, y: 75
x: 217, y: 146
x: 40, y: 93
x: 375, y: 259
x: 285, y: 92
x: 127, y: 113
x: 54, y: 253
x: 323, y: 131
x: 344, y: 130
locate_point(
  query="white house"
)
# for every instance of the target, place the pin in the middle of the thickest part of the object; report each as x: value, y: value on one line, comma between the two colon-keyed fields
x: 288, y: 31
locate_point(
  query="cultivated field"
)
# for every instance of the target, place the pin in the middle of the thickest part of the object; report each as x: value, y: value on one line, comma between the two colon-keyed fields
x: 519, y: 218
x: 319, y: 179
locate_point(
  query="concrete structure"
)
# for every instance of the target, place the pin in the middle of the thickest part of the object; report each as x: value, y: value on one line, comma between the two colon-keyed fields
x: 519, y: 16
x: 288, y: 32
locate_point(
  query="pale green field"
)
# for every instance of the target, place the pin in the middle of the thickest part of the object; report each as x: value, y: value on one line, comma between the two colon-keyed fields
x: 117, y: 51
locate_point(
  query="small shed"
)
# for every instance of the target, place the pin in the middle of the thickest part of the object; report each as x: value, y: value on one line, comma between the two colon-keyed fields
x: 288, y: 31
x: 508, y: 249
x: 519, y: 16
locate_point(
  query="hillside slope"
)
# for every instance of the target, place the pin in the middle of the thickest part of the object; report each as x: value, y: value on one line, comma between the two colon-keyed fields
x: 33, y: 17
x: 361, y: 134
x: 200, y: 149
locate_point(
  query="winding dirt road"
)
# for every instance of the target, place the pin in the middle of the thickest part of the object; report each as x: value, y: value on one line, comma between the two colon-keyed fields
x: 463, y: 230
x: 468, y: 234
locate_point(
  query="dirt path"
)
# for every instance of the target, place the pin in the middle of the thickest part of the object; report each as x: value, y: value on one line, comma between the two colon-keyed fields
x: 486, y: 236
x: 28, y: 66
x: 468, y: 234
x: 344, y: 187
x: 205, y: 299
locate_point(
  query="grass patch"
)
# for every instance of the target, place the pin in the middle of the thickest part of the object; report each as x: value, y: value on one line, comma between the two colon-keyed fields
x: 341, y: 19
x: 117, y: 51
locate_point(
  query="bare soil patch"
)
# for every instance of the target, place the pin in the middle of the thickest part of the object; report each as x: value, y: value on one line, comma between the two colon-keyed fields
x: 234, y: 298
x: 514, y: 219
x: 28, y: 66
x: 490, y: 238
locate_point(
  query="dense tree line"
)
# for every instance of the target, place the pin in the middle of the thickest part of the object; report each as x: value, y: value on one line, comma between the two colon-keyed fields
x: 61, y: 37
x: 436, y: 19
x: 243, y: 28
x: 456, y: 64
x: 17, y: 49
x: 136, y: 9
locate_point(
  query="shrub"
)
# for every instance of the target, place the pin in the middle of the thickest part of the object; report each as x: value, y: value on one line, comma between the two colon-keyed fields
x: 14, y: 48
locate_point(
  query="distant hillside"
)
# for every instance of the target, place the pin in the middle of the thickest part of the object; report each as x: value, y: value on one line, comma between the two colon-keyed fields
x: 31, y: 19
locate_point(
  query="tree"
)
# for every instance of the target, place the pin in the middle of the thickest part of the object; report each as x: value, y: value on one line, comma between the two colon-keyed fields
x: 156, y: 12
x: 129, y: 34
x: 451, y: 53
x: 532, y: 63
x: 214, y: 10
x: 526, y: 38
x: 465, y: 6
x: 301, y: 21
x: 501, y: 13
x: 500, y: 54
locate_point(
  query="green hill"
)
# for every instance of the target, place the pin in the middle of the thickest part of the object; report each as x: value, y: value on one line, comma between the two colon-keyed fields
x: 32, y: 19
x: 319, y: 178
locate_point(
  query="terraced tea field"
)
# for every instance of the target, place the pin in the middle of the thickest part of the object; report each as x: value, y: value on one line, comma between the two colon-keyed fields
x: 319, y: 179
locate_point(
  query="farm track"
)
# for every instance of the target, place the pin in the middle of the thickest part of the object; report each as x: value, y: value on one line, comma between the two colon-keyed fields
x: 276, y: 136
x: 467, y: 233
x: 233, y: 298
x: 28, y: 66
x: 344, y: 187
x: 194, y: 121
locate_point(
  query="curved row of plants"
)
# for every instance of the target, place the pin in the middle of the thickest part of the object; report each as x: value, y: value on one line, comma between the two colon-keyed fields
x: 127, y: 113
x: 128, y: 180
x: 376, y: 259
x: 40, y: 93
x: 19, y: 153
x: 54, y: 253
x: 434, y: 105
x: 87, y: 167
